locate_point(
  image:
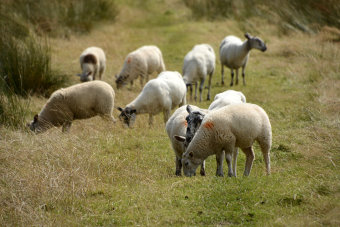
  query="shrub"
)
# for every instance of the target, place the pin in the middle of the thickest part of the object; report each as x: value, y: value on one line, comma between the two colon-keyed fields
x: 57, y: 17
x: 304, y: 15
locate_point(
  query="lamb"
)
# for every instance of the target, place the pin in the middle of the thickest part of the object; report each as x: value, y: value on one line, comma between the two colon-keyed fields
x: 141, y: 62
x: 237, y: 125
x: 161, y: 94
x: 177, y: 126
x: 234, y: 54
x: 92, y: 63
x: 195, y: 118
x: 198, y: 63
x: 80, y: 101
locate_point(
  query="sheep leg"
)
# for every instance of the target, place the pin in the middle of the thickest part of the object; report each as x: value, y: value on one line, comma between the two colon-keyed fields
x: 166, y: 115
x: 141, y: 79
x: 202, y: 172
x: 178, y: 166
x: 250, y: 156
x: 232, y: 78
x: 210, y: 76
x: 219, y: 162
x: 235, y: 154
x: 243, y: 76
x: 201, y: 89
x: 236, y: 76
x: 190, y: 87
x: 265, y: 148
x: 195, y: 91
x: 150, y: 119
x: 131, y: 84
x: 222, y: 74
x: 101, y: 71
x: 66, y: 126
x: 228, y: 156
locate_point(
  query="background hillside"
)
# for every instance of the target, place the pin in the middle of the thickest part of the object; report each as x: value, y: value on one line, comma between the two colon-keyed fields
x: 105, y: 174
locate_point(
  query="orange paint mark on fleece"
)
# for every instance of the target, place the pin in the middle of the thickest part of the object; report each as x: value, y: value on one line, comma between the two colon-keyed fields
x: 129, y: 60
x: 185, y: 123
x: 208, y: 125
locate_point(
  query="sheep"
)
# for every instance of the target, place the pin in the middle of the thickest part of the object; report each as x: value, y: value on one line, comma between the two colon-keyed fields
x: 237, y: 125
x: 80, y: 101
x: 227, y: 98
x: 195, y: 118
x: 92, y: 63
x: 234, y: 54
x: 141, y: 62
x: 177, y: 126
x: 161, y: 94
x: 198, y: 63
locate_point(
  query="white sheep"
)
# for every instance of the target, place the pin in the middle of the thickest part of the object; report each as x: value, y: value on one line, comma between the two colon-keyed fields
x: 195, y: 118
x: 199, y: 63
x: 141, y: 62
x: 79, y: 101
x: 161, y: 94
x: 92, y: 63
x: 227, y: 98
x: 176, y: 126
x: 237, y: 125
x: 234, y: 54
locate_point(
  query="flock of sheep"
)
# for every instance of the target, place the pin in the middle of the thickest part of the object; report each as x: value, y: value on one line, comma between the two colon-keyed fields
x: 228, y: 124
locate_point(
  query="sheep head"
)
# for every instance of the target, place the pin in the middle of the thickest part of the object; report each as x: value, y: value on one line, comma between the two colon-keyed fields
x: 194, y: 120
x: 255, y: 42
x: 127, y: 116
x: 190, y: 163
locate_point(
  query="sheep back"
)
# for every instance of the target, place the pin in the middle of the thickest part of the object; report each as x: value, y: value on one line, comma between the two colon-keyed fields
x: 79, y: 101
x: 232, y: 54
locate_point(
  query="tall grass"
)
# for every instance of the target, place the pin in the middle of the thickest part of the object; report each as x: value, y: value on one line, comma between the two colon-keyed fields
x: 59, y: 17
x: 307, y: 16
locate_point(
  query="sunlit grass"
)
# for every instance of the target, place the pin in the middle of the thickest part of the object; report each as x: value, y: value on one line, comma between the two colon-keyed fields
x: 103, y: 174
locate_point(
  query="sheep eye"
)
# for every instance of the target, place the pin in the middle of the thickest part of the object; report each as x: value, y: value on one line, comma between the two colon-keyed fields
x: 186, y: 163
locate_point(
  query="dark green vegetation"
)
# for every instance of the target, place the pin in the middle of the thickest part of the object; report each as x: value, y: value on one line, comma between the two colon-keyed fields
x: 103, y: 174
x: 304, y: 15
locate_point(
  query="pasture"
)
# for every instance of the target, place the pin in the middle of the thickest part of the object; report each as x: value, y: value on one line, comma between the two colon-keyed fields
x: 103, y: 174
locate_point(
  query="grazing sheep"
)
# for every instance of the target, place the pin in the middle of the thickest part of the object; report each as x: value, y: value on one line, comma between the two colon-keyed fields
x: 79, y: 101
x: 198, y: 63
x: 177, y: 126
x: 141, y: 62
x: 237, y: 125
x: 161, y: 94
x: 195, y: 118
x: 92, y: 63
x: 234, y: 54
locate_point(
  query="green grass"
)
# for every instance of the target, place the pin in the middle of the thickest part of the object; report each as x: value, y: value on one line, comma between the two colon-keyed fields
x: 102, y: 174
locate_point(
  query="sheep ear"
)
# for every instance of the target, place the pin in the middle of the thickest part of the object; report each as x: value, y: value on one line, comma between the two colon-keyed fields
x: 179, y: 138
x: 78, y: 74
x: 89, y: 73
x: 189, y: 109
x: 247, y: 35
x: 191, y: 154
x: 120, y: 109
x: 35, y: 119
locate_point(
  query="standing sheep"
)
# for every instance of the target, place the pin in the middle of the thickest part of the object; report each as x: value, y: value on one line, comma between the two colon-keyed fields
x: 176, y: 126
x: 161, y: 94
x: 92, y: 63
x: 195, y: 118
x: 198, y: 63
x: 234, y: 54
x: 80, y: 101
x: 237, y: 125
x: 141, y: 62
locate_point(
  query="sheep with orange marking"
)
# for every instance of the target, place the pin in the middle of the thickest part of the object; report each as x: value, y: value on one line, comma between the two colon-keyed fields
x: 237, y: 125
x: 177, y: 126
x: 93, y: 64
x: 141, y: 62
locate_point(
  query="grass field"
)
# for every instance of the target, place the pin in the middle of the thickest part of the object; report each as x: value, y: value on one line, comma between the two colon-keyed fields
x: 104, y: 174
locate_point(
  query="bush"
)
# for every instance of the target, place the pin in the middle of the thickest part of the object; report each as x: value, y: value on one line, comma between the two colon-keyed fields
x: 57, y: 17
x: 304, y: 15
